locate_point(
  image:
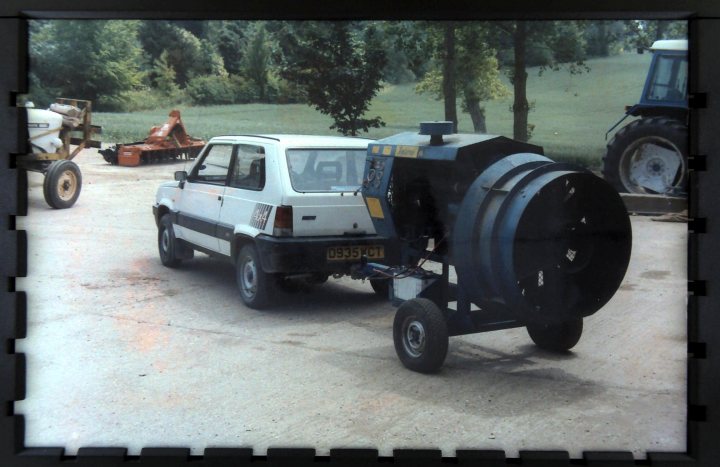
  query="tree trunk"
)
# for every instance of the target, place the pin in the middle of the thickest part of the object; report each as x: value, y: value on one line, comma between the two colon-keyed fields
x: 603, y: 39
x: 660, y: 30
x: 477, y: 114
x: 449, y: 86
x: 520, y: 104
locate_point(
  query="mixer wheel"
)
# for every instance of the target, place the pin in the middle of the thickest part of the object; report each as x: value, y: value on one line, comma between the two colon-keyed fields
x: 557, y: 337
x: 420, y: 335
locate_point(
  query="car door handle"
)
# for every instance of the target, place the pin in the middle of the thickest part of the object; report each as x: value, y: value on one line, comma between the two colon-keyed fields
x: 221, y: 199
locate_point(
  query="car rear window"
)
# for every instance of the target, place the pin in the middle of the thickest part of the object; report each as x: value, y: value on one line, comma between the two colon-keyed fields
x: 326, y: 170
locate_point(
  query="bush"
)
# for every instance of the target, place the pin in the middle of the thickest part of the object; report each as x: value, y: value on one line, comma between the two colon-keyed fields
x: 142, y: 99
x: 41, y: 96
x: 281, y: 91
x: 210, y: 90
x: 244, y: 90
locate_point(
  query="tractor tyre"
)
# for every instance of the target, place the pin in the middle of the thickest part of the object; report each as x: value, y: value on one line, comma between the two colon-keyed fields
x: 420, y: 335
x: 556, y: 337
x: 62, y: 184
x: 648, y: 156
x: 257, y: 288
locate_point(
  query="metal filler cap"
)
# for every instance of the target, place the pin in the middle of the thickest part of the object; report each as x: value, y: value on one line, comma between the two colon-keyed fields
x: 436, y: 130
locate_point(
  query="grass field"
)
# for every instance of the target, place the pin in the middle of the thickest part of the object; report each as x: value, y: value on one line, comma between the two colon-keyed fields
x: 571, y: 112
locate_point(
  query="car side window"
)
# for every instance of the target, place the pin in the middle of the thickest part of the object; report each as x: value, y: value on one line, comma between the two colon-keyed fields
x: 249, y: 169
x: 213, y: 168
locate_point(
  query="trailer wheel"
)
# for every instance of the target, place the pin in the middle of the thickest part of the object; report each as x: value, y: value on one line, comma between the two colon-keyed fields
x: 62, y: 184
x: 420, y: 335
x: 556, y: 337
x: 255, y: 285
x: 648, y: 155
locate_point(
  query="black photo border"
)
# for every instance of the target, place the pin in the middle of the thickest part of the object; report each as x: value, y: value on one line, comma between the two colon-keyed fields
x: 703, y: 390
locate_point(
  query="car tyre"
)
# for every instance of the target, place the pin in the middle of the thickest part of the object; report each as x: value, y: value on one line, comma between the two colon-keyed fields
x: 255, y: 285
x: 420, y: 335
x: 171, y: 249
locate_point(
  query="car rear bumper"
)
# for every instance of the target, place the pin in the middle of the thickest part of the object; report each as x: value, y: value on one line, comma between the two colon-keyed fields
x: 304, y: 255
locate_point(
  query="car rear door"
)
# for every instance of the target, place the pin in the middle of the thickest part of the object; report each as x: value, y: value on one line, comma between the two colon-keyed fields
x: 250, y: 194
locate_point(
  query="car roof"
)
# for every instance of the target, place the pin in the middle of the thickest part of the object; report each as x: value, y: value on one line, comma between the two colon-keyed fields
x: 298, y: 140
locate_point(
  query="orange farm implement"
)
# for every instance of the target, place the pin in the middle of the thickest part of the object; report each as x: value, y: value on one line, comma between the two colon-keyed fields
x: 52, y: 134
x: 164, y: 143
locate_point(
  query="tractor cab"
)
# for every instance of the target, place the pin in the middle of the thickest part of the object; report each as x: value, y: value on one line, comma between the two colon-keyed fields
x: 667, y: 79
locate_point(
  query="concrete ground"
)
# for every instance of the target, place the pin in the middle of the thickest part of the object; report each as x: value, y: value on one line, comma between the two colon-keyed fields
x: 124, y: 352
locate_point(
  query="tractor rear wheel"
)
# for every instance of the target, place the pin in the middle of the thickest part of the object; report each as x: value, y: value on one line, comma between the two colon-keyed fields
x: 62, y: 184
x: 420, y: 335
x: 648, y: 156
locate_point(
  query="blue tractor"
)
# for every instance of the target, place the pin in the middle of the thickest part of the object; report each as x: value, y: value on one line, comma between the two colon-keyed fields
x: 649, y: 155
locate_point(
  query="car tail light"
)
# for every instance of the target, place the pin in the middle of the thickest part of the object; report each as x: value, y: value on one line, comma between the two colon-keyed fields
x: 283, y: 226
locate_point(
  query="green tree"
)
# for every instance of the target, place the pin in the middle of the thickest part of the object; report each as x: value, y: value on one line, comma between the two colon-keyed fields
x: 95, y: 60
x: 164, y: 76
x: 563, y: 46
x: 449, y: 68
x: 229, y: 39
x: 255, y: 63
x: 339, y: 64
x: 642, y: 33
x: 604, y: 38
x: 189, y: 55
x: 408, y: 46
x: 475, y: 69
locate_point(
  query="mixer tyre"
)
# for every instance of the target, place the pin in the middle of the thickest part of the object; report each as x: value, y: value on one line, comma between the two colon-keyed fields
x: 420, y: 335
x: 381, y: 287
x: 62, y: 184
x: 556, y: 337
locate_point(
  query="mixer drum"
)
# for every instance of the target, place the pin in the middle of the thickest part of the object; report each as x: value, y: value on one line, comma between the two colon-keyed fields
x: 550, y: 242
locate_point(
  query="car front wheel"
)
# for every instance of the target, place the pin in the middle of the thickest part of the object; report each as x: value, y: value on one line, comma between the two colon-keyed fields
x: 167, y: 243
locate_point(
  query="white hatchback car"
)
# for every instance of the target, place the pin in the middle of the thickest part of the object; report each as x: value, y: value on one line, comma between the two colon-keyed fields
x: 282, y: 208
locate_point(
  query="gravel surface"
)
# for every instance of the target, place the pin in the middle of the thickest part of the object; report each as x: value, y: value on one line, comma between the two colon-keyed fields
x: 124, y: 352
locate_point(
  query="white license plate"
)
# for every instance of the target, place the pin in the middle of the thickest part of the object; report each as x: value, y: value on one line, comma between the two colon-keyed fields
x: 355, y: 252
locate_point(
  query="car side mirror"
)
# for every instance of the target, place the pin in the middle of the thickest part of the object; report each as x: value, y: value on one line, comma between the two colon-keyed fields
x: 181, y: 176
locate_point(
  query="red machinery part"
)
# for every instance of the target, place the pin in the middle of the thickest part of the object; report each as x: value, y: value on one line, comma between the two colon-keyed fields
x: 169, y: 141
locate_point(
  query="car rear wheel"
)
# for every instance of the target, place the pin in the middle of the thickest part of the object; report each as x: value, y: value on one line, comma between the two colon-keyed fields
x: 255, y: 285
